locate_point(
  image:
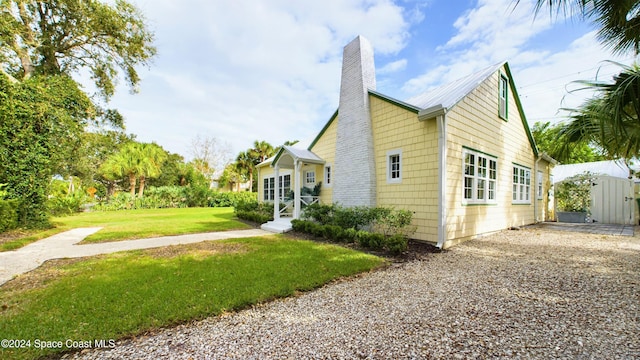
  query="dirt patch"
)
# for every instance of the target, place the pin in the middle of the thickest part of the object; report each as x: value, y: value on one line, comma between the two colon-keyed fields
x: 56, y: 268
x: 198, y: 250
x: 50, y: 270
x: 12, y: 235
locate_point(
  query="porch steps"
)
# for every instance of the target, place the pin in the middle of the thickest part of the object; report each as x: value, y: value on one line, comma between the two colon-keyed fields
x: 278, y: 226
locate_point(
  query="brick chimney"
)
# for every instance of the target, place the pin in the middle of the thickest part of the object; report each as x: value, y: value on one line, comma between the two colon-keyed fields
x: 355, y: 172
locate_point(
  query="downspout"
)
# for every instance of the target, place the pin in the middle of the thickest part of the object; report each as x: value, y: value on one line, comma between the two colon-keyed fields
x: 535, y: 200
x: 439, y: 113
x: 442, y: 179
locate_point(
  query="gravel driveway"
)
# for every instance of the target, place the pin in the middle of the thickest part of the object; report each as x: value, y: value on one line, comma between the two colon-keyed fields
x: 531, y: 293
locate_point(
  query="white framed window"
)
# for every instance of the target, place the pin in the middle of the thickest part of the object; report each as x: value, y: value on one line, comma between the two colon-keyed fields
x: 394, y: 166
x: 503, y: 97
x: 269, y: 185
x: 269, y: 189
x: 327, y: 176
x: 539, y: 184
x: 310, y: 177
x: 521, y: 191
x: 480, y: 177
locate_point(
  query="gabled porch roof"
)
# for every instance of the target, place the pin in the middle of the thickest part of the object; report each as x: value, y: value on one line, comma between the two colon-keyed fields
x: 295, y: 155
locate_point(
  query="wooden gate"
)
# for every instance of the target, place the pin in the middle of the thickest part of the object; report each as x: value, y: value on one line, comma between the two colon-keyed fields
x: 612, y: 200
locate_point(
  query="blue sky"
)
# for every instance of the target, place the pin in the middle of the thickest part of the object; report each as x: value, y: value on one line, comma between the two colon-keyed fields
x: 248, y: 70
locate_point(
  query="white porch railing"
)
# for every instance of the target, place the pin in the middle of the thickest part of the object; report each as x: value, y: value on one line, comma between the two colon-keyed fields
x: 287, y: 209
x: 308, y: 200
x: 287, y: 205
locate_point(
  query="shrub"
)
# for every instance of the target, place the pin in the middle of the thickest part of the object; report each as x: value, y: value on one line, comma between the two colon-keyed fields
x: 298, y: 225
x: 349, y: 235
x: 252, y: 210
x: 376, y: 241
x: 396, y: 244
x: 167, y: 196
x: 332, y: 232
x: 223, y: 199
x: 392, y: 222
x: 337, y: 223
x: 118, y: 201
x: 320, y: 213
x: 254, y: 216
x: 66, y: 204
x: 197, y: 195
x: 8, y: 214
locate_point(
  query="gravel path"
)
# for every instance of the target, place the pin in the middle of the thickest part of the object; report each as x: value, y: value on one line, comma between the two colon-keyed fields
x: 516, y: 294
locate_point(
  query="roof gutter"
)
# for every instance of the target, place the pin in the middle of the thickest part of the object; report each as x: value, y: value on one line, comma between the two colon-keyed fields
x: 439, y: 113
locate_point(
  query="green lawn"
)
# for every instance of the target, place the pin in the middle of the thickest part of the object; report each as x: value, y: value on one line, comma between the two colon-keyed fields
x: 138, y: 224
x: 128, y: 293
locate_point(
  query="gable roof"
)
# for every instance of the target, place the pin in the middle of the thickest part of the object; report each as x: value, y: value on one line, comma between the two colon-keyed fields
x: 298, y: 154
x: 446, y: 96
x: 450, y: 94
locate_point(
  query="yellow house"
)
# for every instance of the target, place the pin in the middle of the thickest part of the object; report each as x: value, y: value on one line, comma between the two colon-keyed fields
x: 460, y: 157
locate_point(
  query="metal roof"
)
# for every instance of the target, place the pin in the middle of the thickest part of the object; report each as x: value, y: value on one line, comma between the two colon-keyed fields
x: 450, y: 94
x: 303, y: 155
x: 615, y: 168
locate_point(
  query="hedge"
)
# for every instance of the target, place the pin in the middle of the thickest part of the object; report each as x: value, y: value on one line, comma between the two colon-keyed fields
x: 8, y: 215
x: 394, y: 244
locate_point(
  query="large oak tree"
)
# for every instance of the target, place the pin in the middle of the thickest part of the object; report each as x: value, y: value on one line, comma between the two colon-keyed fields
x: 43, y: 111
x: 64, y: 36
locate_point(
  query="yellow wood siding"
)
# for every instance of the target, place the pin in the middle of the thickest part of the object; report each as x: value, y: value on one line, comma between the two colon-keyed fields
x: 268, y: 171
x: 395, y: 128
x: 474, y: 123
x: 263, y: 172
x: 325, y: 148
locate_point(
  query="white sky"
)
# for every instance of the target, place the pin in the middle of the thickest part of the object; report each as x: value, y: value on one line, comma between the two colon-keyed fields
x: 245, y: 70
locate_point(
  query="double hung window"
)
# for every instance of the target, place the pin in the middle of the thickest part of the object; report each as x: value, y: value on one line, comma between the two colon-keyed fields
x: 480, y: 177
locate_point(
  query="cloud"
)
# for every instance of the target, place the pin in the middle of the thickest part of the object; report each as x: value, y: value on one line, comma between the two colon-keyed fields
x: 493, y: 32
x: 392, y: 67
x: 549, y: 84
x: 250, y: 70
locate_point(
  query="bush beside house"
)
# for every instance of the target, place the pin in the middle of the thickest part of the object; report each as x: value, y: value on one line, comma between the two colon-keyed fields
x: 377, y: 228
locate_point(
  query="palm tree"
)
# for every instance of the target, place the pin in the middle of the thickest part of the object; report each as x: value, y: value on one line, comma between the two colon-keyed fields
x: 618, y: 20
x: 152, y: 157
x: 263, y: 150
x: 134, y: 160
x: 245, y: 165
x: 611, y: 119
x: 126, y: 162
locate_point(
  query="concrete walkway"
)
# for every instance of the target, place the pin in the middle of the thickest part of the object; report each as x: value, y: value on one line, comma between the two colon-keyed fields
x: 63, y: 245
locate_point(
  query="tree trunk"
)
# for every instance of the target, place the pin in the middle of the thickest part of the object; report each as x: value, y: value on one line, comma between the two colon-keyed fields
x: 27, y: 37
x: 141, y: 188
x: 132, y: 185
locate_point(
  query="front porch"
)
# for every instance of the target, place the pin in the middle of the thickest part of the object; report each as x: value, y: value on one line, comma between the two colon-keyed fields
x: 289, y: 196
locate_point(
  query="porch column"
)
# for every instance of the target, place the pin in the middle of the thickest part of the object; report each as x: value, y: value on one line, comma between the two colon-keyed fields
x: 276, y: 195
x: 296, y: 197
